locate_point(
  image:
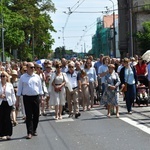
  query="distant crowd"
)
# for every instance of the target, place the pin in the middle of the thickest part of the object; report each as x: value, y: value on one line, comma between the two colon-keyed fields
x: 68, y: 85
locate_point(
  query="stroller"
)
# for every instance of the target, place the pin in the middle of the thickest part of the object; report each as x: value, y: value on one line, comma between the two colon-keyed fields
x: 142, y: 96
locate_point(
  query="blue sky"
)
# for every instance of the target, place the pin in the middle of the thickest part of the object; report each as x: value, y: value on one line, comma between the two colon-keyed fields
x: 75, y: 31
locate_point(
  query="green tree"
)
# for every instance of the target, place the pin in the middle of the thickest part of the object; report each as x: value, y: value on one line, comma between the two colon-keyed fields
x: 143, y: 37
x: 28, y: 27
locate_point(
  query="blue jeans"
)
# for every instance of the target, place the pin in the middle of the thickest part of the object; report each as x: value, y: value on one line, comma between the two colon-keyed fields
x: 130, y: 96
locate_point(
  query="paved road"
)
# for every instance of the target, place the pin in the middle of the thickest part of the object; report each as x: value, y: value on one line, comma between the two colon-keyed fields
x: 92, y: 131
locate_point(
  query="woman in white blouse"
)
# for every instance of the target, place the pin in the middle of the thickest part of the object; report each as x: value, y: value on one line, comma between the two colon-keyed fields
x: 7, y: 100
x: 57, y: 90
x: 91, y: 73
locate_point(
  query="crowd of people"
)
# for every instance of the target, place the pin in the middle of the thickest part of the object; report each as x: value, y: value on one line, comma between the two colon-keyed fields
x: 65, y: 85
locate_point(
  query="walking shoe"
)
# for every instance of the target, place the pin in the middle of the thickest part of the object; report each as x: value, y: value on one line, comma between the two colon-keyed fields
x: 8, y: 138
x: 130, y: 112
x: 117, y: 115
x: 60, y: 118
x: 35, y: 134
x: 77, y: 115
x: 4, y: 138
x: 108, y: 115
x: 29, y: 136
x: 44, y: 114
x: 70, y: 115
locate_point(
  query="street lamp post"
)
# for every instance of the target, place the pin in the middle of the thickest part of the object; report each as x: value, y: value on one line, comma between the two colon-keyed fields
x: 114, y: 31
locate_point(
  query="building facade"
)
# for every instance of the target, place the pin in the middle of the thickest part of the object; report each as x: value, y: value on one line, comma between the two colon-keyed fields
x: 132, y: 14
x: 102, y: 41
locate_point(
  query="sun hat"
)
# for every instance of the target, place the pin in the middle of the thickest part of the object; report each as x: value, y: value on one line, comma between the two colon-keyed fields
x: 14, y: 72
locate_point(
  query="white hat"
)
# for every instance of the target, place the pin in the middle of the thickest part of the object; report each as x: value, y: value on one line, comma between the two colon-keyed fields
x: 14, y: 72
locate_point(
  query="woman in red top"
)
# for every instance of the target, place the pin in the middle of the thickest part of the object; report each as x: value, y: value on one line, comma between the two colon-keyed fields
x: 141, y: 67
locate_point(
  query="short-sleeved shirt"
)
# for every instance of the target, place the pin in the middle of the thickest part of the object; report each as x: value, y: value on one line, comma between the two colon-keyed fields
x: 102, y: 68
x: 73, y: 78
x: 96, y: 66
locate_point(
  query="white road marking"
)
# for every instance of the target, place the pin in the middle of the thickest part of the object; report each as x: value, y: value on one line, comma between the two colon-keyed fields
x: 136, y: 124
x: 127, y: 120
x: 96, y: 113
x: 65, y: 118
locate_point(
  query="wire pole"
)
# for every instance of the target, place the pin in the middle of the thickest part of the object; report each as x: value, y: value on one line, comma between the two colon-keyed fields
x: 114, y: 32
x: 130, y: 30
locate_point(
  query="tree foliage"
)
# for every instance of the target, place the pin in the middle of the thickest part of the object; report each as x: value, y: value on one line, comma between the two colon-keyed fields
x: 27, y: 27
x: 143, y: 37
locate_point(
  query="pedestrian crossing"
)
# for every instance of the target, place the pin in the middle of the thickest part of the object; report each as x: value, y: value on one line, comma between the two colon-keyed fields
x: 100, y: 115
x: 65, y: 118
x: 135, y: 119
x: 136, y: 124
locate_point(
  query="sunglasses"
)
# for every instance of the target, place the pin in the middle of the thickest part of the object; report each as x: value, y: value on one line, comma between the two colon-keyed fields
x: 70, y: 66
x: 32, y: 67
x: 40, y: 68
x: 2, y: 76
x: 59, y: 67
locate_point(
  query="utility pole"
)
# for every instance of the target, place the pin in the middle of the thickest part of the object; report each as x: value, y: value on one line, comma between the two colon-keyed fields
x: 114, y: 31
x: 130, y: 50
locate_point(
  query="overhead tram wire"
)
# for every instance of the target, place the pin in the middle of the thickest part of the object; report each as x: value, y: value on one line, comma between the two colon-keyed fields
x: 78, y: 43
x: 69, y: 13
x: 84, y: 34
x: 111, y: 10
x: 79, y: 5
x: 75, y: 4
x: 76, y: 36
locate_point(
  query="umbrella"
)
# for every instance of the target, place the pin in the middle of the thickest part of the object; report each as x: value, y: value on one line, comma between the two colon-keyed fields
x: 146, y: 56
x: 40, y: 62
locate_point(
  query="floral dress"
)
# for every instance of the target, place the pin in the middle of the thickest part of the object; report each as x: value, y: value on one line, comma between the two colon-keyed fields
x: 111, y: 97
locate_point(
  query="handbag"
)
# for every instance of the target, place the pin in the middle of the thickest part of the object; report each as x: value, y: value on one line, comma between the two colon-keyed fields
x: 57, y: 90
x: 124, y: 89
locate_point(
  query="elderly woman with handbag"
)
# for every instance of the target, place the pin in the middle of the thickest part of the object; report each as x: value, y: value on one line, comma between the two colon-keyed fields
x: 111, y: 93
x: 128, y: 79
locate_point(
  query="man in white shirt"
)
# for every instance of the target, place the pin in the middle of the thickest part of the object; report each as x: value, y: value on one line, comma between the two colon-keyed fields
x: 72, y: 97
x: 64, y: 65
x: 30, y: 87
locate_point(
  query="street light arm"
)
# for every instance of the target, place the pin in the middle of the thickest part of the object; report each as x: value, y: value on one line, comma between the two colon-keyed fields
x: 113, y: 4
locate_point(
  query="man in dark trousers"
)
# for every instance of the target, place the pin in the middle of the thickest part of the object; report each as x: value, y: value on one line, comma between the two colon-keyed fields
x: 31, y: 88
